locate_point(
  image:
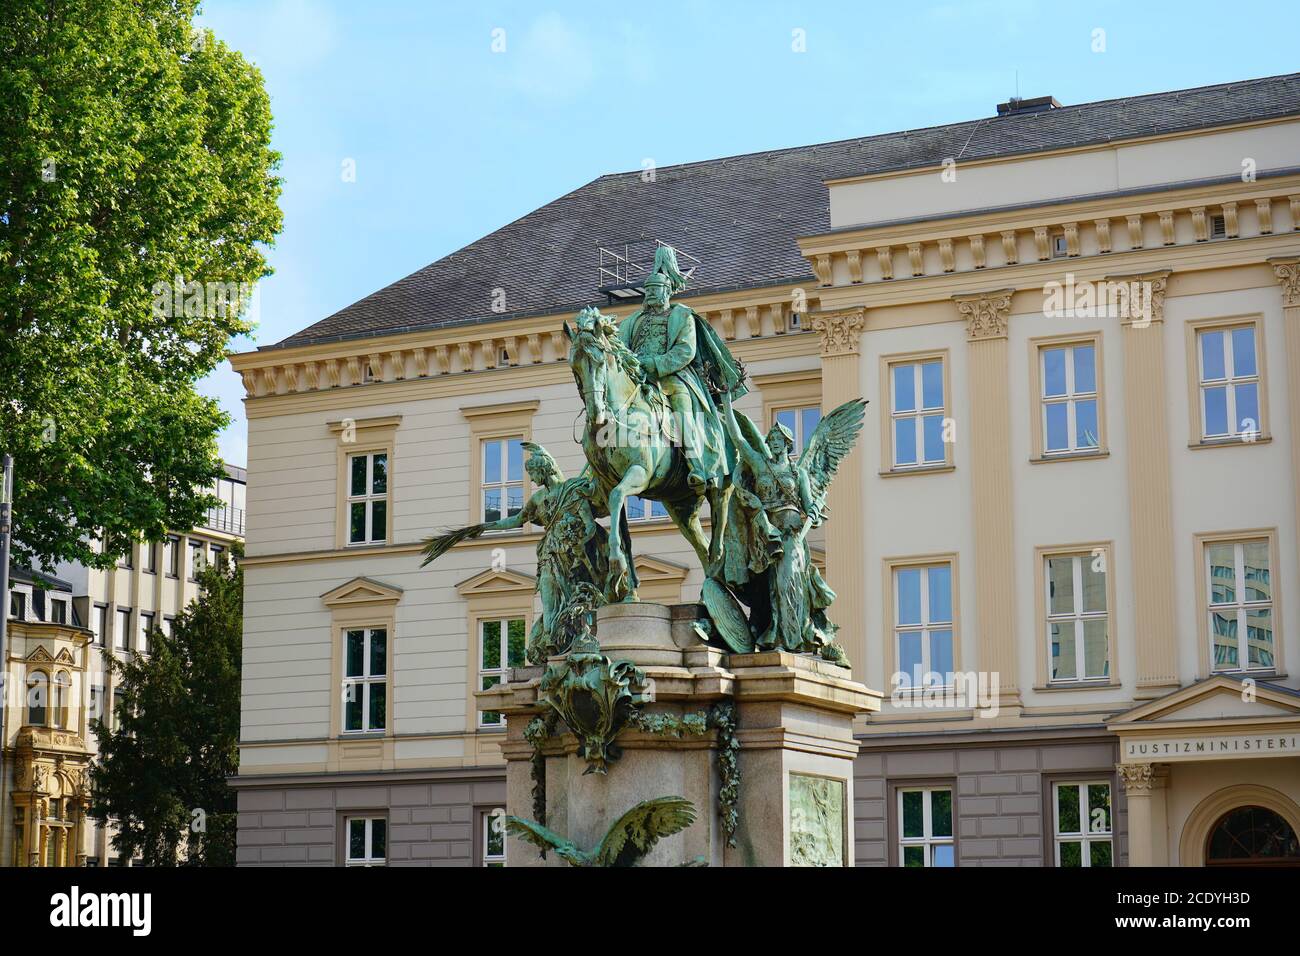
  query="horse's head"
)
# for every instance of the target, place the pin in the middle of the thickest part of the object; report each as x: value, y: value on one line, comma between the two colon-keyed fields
x: 604, y: 367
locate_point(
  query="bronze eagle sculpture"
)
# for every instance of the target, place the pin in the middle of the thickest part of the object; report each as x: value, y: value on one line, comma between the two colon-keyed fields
x: 631, y: 837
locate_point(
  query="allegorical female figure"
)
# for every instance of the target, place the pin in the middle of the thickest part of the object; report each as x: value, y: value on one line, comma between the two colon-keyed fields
x: 572, y: 551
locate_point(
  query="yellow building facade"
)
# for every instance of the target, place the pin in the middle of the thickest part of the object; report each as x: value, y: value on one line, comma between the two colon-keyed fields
x: 1066, y: 547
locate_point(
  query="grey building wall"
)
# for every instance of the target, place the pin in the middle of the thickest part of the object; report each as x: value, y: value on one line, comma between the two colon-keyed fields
x: 432, y: 818
x: 1001, y: 784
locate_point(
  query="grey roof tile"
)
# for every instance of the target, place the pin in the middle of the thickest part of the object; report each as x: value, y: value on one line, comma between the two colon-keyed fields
x: 741, y: 215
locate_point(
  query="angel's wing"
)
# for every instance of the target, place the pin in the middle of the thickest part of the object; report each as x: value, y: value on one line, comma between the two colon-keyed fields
x: 833, y: 438
x: 539, y: 836
x: 436, y: 547
x: 638, y: 830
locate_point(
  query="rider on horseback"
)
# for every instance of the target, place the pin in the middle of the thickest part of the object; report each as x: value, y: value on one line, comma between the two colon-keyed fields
x: 691, y: 366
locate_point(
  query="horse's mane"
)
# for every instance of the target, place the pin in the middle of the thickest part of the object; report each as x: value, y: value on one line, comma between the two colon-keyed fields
x: 610, y: 344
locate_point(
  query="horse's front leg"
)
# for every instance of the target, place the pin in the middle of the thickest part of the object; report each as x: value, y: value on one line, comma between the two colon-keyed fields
x: 616, y: 584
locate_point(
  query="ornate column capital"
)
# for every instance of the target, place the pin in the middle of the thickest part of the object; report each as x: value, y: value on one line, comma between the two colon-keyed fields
x: 1140, y: 298
x: 986, y: 313
x: 1141, y: 778
x: 840, y: 330
x: 1287, y: 271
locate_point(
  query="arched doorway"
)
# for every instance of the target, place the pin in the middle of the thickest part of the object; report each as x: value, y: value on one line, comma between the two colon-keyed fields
x: 1252, y: 836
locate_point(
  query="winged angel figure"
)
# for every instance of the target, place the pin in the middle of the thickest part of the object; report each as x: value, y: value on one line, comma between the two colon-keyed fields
x: 633, y: 835
x: 779, y: 501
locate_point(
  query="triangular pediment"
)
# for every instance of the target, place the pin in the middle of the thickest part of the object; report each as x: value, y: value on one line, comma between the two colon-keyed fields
x: 493, y: 581
x: 1218, y: 698
x: 651, y: 570
x: 361, y: 591
x: 40, y: 656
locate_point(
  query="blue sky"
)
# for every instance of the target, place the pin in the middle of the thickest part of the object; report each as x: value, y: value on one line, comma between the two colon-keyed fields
x: 451, y: 140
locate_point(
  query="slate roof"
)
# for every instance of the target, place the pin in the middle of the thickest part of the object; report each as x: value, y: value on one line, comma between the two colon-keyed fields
x: 741, y: 215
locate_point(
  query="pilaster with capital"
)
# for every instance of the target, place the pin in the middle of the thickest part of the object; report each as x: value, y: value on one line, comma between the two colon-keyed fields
x: 987, y: 315
x: 1141, y: 300
x: 1144, y: 789
x: 841, y: 333
x: 1287, y: 272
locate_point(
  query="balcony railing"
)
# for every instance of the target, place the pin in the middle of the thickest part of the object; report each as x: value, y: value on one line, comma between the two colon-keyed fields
x: 229, y: 520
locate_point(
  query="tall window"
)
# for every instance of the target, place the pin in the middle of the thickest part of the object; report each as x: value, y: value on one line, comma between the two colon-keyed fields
x: 99, y: 623
x: 365, y: 679
x: 368, y: 498
x: 503, y: 478
x: 58, y: 611
x: 501, y: 647
x: 1078, y: 644
x: 196, y: 559
x: 1069, y: 398
x: 925, y: 827
x: 917, y: 410
x: 367, y: 843
x: 38, y: 698
x: 643, y: 509
x: 494, y: 837
x: 1240, y: 605
x: 172, y: 557
x: 62, y: 697
x: 923, y: 625
x: 149, y: 556
x: 122, y: 628
x: 1229, y: 380
x: 96, y: 702
x: 1082, y: 816
x: 144, y: 622
x: 802, y: 422
x: 18, y: 605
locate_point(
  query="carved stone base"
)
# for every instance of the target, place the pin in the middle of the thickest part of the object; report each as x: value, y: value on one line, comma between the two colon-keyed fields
x: 794, y: 718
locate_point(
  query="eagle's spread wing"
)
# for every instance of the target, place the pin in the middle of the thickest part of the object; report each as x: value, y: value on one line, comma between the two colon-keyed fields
x: 638, y: 830
x: 436, y: 547
x: 833, y: 438
x: 539, y: 836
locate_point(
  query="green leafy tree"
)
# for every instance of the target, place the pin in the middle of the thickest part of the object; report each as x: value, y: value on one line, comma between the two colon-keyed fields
x: 134, y: 150
x: 162, y: 768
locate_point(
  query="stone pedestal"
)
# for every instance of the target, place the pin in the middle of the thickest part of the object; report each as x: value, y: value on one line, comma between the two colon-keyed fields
x: 794, y: 719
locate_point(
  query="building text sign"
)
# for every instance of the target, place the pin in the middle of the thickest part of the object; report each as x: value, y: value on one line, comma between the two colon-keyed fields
x: 1210, y: 747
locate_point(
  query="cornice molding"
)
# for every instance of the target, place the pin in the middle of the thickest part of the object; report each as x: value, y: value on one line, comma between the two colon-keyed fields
x: 986, y: 314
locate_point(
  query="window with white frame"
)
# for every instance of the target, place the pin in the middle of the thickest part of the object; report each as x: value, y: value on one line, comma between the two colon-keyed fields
x: 122, y: 630
x: 501, y: 646
x: 1069, y: 398
x: 99, y: 623
x: 367, y: 841
x: 643, y: 509
x: 1082, y: 823
x: 145, y: 625
x: 917, y: 411
x: 368, y: 498
x: 494, y: 837
x: 923, y: 625
x: 801, y: 421
x: 58, y: 611
x: 172, y: 556
x: 1240, y: 605
x: 1078, y: 642
x: 503, y: 478
x: 1229, y: 383
x: 925, y: 827
x: 365, y: 679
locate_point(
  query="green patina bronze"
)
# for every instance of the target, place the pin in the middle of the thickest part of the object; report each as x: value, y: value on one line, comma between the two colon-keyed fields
x: 594, y: 696
x: 631, y: 837
x: 658, y: 392
x: 817, y: 821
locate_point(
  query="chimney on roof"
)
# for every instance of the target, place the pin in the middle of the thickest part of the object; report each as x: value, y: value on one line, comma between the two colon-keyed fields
x: 1039, y: 104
